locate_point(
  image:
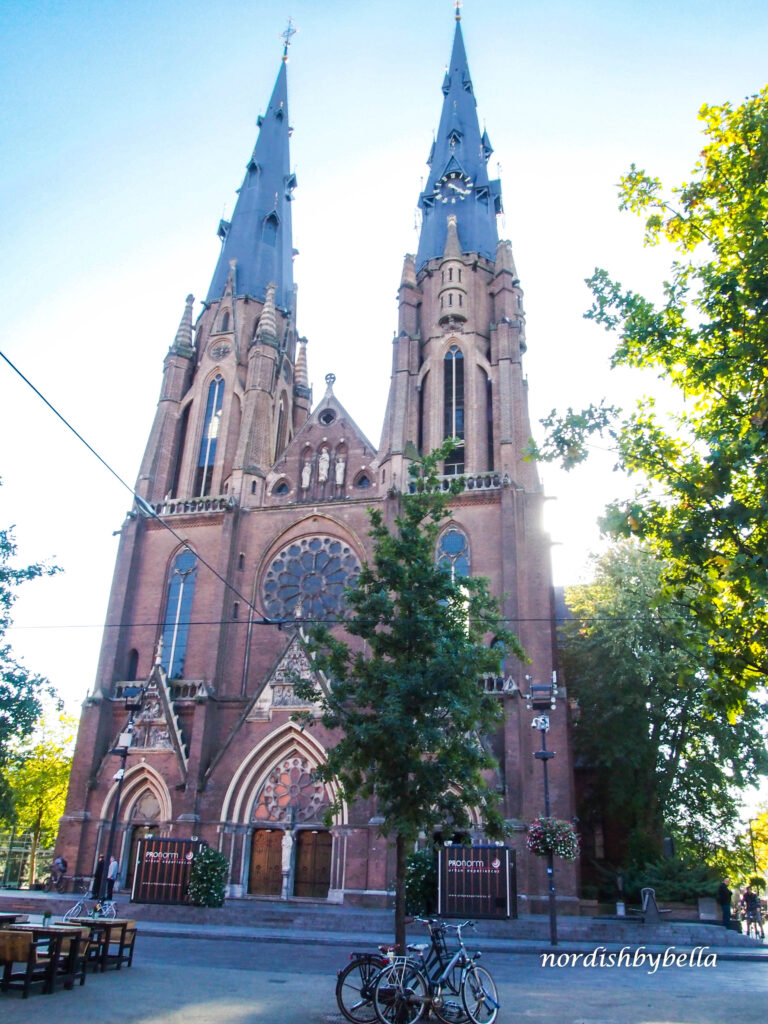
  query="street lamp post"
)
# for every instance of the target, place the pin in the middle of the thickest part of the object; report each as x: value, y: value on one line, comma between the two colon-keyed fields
x: 134, y: 698
x: 543, y: 696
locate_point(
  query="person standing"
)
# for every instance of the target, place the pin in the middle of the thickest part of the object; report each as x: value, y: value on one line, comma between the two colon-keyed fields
x: 98, y: 877
x: 724, y: 896
x: 111, y: 877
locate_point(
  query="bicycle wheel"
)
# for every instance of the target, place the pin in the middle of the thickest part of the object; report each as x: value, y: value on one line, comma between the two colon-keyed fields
x: 480, y: 996
x: 400, y: 993
x: 354, y: 989
x: 78, y: 910
x: 447, y: 1003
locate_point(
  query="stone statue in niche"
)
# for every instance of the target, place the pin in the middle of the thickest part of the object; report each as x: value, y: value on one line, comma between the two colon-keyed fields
x: 306, y: 475
x: 322, y: 465
x: 341, y: 466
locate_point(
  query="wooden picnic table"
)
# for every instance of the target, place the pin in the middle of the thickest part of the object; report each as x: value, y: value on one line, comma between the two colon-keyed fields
x: 112, y: 939
x: 8, y: 918
x: 47, y: 952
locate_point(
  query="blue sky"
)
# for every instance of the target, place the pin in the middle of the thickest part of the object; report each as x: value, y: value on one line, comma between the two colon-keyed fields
x: 126, y: 129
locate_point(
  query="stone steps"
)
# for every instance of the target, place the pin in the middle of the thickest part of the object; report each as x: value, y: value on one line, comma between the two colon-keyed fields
x: 309, y: 915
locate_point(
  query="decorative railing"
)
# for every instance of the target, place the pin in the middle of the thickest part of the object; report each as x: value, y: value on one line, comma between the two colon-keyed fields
x: 489, y: 481
x: 188, y: 506
x: 188, y: 689
x: 499, y: 684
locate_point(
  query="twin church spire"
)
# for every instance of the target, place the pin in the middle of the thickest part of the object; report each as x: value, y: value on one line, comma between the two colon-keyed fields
x: 259, y: 236
x: 458, y: 180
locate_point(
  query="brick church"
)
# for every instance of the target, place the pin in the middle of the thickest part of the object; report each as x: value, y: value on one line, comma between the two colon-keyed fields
x: 258, y: 516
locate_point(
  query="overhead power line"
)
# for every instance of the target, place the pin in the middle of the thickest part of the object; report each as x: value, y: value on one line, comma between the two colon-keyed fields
x: 144, y: 507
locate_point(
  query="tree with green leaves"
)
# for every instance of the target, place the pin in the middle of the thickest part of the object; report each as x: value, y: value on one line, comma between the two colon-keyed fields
x: 703, y: 460
x: 21, y: 691
x: 665, y: 755
x: 38, y: 776
x: 404, y: 685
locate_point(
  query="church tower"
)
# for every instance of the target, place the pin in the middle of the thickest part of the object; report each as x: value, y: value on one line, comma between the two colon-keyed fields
x: 251, y: 518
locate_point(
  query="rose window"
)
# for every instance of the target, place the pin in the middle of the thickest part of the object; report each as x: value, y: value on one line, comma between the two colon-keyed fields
x: 307, y: 579
x: 291, y: 794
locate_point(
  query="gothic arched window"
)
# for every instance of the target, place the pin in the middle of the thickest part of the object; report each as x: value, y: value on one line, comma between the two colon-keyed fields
x: 207, y: 456
x: 453, y: 552
x: 282, y: 425
x: 181, y: 588
x: 224, y: 324
x: 453, y: 406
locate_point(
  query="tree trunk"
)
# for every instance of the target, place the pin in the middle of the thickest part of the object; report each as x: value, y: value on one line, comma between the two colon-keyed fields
x: 400, y: 892
x: 33, y: 851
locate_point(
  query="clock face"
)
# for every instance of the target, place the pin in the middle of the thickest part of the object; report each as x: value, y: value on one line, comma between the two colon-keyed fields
x: 452, y: 187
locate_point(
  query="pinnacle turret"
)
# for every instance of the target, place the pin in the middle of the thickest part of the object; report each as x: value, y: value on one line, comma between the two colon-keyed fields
x: 259, y: 236
x: 183, y: 342
x: 458, y: 180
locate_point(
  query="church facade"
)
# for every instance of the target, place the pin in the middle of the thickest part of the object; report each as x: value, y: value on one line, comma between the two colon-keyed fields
x: 251, y: 518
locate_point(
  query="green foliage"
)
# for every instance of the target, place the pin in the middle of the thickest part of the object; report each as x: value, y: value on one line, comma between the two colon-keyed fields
x: 405, y: 687
x: 421, y: 882
x: 672, y: 878
x: 208, y: 878
x: 704, y: 459
x: 667, y: 756
x: 21, y: 691
x: 37, y: 777
x: 757, y: 882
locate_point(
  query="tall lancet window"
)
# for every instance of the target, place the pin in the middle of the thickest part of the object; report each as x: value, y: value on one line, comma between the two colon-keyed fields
x: 453, y: 552
x: 207, y: 456
x: 453, y: 406
x: 181, y: 588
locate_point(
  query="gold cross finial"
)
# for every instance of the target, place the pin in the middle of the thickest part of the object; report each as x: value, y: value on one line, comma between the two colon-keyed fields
x: 458, y: 10
x: 289, y: 33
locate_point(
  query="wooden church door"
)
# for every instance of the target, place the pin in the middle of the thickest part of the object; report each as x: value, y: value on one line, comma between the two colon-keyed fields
x: 313, y: 864
x: 266, y: 874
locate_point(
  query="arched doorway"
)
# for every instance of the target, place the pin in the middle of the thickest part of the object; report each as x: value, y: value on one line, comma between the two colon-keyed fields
x: 265, y: 877
x: 313, y: 863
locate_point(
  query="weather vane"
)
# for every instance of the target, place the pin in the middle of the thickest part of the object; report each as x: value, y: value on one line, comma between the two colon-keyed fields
x: 289, y: 33
x: 458, y: 10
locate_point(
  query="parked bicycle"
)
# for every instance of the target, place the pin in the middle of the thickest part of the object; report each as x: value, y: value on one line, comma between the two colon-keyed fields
x: 354, y: 985
x: 453, y: 986
x: 88, y: 905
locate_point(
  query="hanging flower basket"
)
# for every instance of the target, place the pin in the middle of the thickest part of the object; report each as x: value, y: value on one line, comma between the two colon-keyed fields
x: 550, y: 835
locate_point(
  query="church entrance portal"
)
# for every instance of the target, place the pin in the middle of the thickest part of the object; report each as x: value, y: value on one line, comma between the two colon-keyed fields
x: 266, y: 876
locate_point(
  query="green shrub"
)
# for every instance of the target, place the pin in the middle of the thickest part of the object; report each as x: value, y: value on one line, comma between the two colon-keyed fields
x: 672, y: 878
x: 421, y: 882
x: 208, y: 879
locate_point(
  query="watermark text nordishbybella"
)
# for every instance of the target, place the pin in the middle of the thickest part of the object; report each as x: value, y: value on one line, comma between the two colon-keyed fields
x: 628, y: 956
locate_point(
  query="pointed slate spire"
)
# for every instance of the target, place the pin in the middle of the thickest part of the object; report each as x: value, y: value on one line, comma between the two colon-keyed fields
x: 259, y: 236
x: 458, y: 180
